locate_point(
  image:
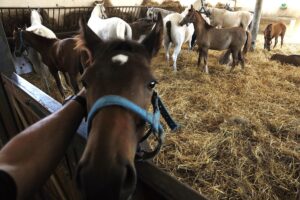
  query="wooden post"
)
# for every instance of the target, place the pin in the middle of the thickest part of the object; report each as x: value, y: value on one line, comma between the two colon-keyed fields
x: 8, y: 124
x: 256, y: 22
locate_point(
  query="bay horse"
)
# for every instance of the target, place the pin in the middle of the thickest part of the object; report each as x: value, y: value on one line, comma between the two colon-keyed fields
x: 209, y: 37
x: 58, y: 55
x: 274, y: 31
x: 119, y: 87
x: 108, y: 28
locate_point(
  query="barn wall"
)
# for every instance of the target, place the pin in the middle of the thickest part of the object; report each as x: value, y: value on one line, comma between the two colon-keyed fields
x: 39, y: 3
x: 270, y: 7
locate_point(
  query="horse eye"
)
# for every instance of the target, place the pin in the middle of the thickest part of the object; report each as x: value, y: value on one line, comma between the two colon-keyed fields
x: 152, y: 84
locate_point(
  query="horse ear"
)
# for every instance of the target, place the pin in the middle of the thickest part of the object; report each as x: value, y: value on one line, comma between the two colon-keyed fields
x: 153, y: 40
x: 87, y: 41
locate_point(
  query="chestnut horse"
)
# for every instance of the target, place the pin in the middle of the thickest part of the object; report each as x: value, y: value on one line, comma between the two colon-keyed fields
x: 273, y: 31
x: 58, y: 55
x: 209, y: 37
x: 117, y: 78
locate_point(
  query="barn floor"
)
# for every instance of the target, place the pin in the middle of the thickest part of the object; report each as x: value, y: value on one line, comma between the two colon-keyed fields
x: 240, y: 135
x: 240, y: 131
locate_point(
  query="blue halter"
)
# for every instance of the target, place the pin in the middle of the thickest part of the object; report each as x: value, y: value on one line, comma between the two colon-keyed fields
x: 152, y: 119
x: 113, y: 100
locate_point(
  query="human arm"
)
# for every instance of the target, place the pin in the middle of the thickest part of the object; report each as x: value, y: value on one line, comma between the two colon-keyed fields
x: 31, y: 156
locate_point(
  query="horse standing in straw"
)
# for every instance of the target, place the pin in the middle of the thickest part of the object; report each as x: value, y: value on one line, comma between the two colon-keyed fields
x: 35, y: 58
x: 209, y: 37
x: 222, y: 18
x: 274, y: 31
x: 110, y: 28
x: 58, y: 55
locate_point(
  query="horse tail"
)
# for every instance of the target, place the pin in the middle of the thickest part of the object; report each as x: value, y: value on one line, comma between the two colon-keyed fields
x: 247, y: 43
x: 168, y: 25
x: 128, y: 32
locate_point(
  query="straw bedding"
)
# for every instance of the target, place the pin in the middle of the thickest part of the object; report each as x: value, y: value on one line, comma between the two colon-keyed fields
x: 240, y: 131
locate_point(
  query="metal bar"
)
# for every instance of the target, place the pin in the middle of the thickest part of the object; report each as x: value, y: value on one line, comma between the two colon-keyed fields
x: 58, y: 18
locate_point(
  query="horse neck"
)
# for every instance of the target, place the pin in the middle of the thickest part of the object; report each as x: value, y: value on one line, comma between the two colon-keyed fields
x: 97, y: 12
x: 35, y: 18
x: 200, y: 24
x: 37, y: 42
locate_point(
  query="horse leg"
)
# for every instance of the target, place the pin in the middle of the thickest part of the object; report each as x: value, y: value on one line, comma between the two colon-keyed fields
x: 282, y: 37
x: 205, y: 55
x: 175, y: 55
x: 234, y: 59
x: 67, y: 79
x: 58, y: 82
x: 199, y: 57
x: 167, y: 46
x: 241, y: 59
x: 74, y: 83
x: 276, y: 41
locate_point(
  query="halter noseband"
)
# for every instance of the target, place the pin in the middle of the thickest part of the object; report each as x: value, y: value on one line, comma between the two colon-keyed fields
x: 151, y: 119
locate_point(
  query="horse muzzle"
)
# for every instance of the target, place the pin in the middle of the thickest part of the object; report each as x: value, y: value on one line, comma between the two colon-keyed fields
x: 116, y: 182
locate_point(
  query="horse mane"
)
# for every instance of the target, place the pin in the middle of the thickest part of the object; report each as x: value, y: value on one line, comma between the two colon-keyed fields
x: 207, y: 25
x: 96, y: 10
x: 42, y: 38
x: 268, y: 29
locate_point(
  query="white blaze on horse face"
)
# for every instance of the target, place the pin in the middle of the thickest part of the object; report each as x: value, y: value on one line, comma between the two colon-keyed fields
x: 120, y: 58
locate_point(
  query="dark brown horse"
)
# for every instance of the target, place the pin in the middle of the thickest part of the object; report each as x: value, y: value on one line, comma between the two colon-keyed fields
x: 274, y: 31
x: 120, y: 68
x: 141, y: 28
x: 58, y: 55
x: 287, y: 59
x: 209, y: 37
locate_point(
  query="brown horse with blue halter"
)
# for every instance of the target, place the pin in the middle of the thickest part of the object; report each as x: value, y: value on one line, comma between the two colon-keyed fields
x: 119, y: 86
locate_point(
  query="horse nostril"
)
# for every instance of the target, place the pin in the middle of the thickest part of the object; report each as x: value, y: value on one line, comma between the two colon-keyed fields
x: 129, y: 182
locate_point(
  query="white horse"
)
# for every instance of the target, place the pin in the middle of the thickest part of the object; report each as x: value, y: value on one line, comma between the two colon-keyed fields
x: 222, y: 18
x: 110, y: 28
x: 153, y: 12
x: 176, y: 34
x: 38, y: 28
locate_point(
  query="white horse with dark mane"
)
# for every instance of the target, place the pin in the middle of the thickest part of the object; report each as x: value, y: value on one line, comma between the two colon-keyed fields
x: 152, y: 13
x: 110, y: 28
x: 222, y: 18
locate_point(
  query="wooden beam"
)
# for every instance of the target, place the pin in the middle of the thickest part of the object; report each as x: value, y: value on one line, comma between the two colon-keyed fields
x: 7, y: 68
x: 256, y: 22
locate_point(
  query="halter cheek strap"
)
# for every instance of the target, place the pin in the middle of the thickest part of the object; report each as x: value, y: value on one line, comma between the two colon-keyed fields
x: 22, y: 44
